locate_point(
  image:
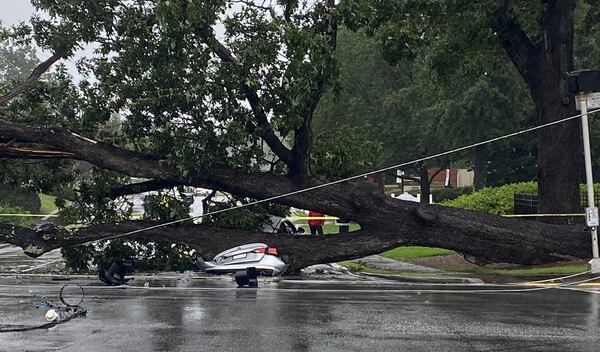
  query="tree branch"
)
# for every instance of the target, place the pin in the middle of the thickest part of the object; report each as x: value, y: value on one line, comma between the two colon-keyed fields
x: 296, y: 251
x: 33, y: 77
x: 263, y: 129
x: 207, y: 200
x: 515, y: 41
x: 30, y: 153
x: 81, y: 148
x: 303, y: 134
x: 253, y: 4
x: 132, y: 163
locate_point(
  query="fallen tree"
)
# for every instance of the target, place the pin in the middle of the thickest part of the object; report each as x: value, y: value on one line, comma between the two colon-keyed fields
x: 183, y: 138
x: 386, y: 223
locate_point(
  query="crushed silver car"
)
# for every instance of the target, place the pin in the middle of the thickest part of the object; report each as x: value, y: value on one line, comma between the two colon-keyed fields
x: 247, y: 262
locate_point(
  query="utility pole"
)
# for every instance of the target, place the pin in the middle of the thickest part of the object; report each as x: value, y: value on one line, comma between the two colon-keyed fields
x: 584, y: 84
x: 591, y: 212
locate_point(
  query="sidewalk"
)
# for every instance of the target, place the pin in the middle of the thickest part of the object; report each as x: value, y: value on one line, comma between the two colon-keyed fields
x: 407, y: 272
x: 379, y: 262
x: 13, y: 260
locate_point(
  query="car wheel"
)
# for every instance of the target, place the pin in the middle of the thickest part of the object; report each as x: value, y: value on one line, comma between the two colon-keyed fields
x: 241, y: 278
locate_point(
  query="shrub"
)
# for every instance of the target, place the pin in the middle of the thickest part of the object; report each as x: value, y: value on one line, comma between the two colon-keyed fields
x: 497, y: 200
x: 25, y: 199
x: 449, y: 193
x: 16, y: 220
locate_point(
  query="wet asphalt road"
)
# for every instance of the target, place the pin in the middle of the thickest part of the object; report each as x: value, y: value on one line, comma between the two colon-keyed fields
x: 212, y: 315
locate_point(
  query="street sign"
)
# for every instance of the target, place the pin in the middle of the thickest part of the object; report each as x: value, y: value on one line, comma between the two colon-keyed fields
x: 593, y: 100
x: 399, y: 173
x: 591, y: 217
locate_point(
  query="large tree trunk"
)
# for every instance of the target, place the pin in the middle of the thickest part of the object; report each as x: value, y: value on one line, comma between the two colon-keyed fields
x: 386, y: 223
x: 559, y: 147
x: 544, y: 65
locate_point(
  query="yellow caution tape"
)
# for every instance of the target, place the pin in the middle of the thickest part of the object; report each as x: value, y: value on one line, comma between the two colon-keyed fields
x: 312, y: 218
x: 538, y: 215
x: 31, y: 215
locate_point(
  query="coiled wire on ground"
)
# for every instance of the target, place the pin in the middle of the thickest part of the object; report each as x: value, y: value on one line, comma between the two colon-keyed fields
x: 68, y: 309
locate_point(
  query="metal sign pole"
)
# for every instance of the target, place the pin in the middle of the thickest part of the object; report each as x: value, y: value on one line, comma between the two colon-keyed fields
x: 591, y: 210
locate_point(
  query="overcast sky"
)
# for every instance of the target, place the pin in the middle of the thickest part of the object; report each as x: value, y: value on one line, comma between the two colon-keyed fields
x: 14, y: 11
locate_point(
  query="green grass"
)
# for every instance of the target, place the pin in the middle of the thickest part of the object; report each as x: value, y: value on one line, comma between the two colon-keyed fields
x: 329, y: 229
x: 555, y: 270
x: 48, y: 206
x: 334, y: 228
x: 407, y: 253
x: 354, y: 267
x: 16, y: 220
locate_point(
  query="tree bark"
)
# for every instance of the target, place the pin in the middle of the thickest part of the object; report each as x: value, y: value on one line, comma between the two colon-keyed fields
x: 380, y: 182
x: 297, y: 251
x: 480, y: 163
x: 559, y: 148
x: 303, y: 135
x: 486, y: 237
x: 424, y: 184
x: 386, y: 223
x: 543, y: 65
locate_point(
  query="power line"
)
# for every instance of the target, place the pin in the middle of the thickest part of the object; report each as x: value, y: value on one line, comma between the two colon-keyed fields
x: 308, y: 189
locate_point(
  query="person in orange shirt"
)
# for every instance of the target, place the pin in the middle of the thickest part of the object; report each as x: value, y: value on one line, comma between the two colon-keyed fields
x: 316, y: 225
